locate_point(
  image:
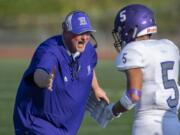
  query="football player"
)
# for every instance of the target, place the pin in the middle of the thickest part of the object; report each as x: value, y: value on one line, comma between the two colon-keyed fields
x: 151, y: 67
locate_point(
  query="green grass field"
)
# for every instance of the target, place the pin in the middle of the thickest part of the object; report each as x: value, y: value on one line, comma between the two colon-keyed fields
x: 110, y: 79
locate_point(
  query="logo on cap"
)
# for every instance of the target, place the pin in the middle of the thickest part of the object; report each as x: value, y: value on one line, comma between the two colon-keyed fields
x: 78, y: 22
x: 82, y: 21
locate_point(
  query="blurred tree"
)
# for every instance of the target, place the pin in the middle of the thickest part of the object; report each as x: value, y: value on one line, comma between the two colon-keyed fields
x: 46, y: 14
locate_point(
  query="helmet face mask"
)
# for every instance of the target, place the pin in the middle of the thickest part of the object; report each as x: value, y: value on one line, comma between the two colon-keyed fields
x: 131, y: 22
x: 117, y: 40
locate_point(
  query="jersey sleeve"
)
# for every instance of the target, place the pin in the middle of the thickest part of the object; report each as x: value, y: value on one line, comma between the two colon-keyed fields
x: 42, y: 59
x: 130, y: 57
x: 170, y: 42
x: 47, y: 62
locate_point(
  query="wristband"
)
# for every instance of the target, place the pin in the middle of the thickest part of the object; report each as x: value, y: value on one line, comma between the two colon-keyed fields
x: 135, y: 92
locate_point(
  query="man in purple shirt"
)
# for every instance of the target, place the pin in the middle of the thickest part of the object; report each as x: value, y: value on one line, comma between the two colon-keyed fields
x: 53, y: 92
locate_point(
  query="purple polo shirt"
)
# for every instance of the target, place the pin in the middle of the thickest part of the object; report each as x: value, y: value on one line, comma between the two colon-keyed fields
x: 63, y: 107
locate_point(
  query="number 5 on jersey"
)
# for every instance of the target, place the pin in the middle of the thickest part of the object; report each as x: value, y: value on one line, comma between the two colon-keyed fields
x: 170, y: 84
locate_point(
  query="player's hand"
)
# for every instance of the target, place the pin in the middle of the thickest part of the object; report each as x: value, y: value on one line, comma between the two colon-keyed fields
x: 43, y: 79
x: 51, y: 79
x: 101, y: 94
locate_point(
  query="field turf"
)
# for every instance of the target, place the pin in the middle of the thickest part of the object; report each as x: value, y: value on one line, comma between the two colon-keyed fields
x: 110, y: 79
